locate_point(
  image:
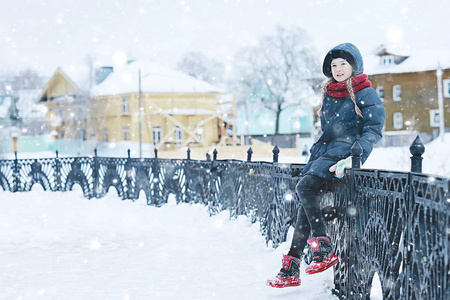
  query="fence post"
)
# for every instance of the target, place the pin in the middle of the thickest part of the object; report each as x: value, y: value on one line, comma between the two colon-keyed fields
x: 157, y: 192
x: 188, y: 153
x: 275, y: 152
x: 129, y: 178
x: 356, y: 152
x: 417, y: 149
x: 97, y: 189
x: 16, y: 174
x: 249, y: 154
x: 58, y: 166
x: 215, y: 154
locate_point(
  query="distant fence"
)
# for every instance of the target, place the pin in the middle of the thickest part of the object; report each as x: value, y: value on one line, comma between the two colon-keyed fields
x: 394, y: 224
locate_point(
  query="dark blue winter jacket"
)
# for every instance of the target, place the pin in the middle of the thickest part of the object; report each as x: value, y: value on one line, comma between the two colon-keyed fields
x: 341, y: 126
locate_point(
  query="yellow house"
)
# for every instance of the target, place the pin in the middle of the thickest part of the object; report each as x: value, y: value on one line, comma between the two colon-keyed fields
x: 141, y: 101
x: 66, y: 99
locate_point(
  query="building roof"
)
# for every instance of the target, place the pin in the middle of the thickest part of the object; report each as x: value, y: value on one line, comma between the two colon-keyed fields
x: 154, y: 79
x: 80, y: 75
x: 417, y: 61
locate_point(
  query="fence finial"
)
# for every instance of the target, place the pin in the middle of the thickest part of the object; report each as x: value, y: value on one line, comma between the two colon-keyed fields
x: 129, y: 153
x: 275, y: 152
x: 417, y: 149
x: 249, y: 154
x: 188, y: 153
x: 156, y: 153
x: 215, y: 154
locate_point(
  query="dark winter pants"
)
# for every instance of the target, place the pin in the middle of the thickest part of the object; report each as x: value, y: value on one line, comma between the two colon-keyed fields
x: 309, y: 218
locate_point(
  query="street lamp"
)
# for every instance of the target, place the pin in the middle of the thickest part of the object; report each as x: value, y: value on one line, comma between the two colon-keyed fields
x: 140, y: 116
x: 440, y: 102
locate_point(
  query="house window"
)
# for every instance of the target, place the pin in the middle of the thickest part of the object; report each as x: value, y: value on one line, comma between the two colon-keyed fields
x: 380, y: 91
x: 398, y: 120
x: 125, y: 105
x: 178, y: 134
x: 199, y: 131
x: 387, y: 60
x: 126, y: 133
x: 105, y: 135
x: 446, y: 86
x: 397, y: 92
x: 434, y: 118
x: 83, y: 134
x: 157, y: 133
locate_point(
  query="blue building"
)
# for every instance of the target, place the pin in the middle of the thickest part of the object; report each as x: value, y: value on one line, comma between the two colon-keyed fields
x: 257, y: 121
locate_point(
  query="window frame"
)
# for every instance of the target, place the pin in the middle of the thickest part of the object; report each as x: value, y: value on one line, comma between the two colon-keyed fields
x: 434, y: 113
x: 387, y: 60
x: 126, y: 133
x: 380, y: 94
x: 200, y: 133
x: 157, y: 134
x: 397, y: 89
x: 125, y: 105
x: 178, y: 134
x: 395, y: 120
x: 446, y: 87
x: 105, y: 135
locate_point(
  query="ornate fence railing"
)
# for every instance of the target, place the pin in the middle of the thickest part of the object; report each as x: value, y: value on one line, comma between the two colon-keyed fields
x: 394, y: 224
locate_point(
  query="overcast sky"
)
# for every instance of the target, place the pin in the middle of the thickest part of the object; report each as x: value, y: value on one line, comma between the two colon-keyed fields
x: 44, y: 34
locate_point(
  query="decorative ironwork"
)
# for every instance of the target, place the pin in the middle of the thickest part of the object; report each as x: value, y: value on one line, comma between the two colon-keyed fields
x: 393, y: 224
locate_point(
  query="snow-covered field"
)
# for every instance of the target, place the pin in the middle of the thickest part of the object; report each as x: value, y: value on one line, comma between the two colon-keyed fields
x: 63, y: 246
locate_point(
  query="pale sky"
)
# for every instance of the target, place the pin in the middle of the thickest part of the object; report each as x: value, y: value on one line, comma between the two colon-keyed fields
x: 45, y: 34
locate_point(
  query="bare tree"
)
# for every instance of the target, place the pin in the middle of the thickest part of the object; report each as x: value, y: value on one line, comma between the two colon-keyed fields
x: 201, y: 67
x: 279, y: 70
x: 27, y: 79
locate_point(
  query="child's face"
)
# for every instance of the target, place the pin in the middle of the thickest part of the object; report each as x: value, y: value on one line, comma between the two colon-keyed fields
x: 341, y: 69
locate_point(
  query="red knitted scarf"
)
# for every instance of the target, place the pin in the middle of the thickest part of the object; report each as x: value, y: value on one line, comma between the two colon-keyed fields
x: 339, y: 89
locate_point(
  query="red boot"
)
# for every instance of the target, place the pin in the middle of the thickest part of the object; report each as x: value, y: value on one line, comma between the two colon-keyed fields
x: 289, y: 274
x: 323, y: 256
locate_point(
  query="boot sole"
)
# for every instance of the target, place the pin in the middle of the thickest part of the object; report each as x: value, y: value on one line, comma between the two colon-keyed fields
x: 284, y: 285
x: 322, y: 269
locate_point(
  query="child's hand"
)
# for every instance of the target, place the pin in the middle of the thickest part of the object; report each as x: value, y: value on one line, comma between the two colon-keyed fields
x: 340, y: 166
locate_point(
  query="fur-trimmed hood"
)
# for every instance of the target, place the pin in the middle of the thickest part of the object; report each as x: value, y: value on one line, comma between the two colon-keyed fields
x: 348, y: 48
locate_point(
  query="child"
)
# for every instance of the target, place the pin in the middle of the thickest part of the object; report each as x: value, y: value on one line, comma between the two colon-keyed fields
x: 350, y: 110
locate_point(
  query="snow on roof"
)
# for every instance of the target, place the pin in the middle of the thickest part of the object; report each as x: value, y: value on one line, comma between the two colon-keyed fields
x: 300, y: 113
x: 79, y: 74
x: 418, y: 61
x: 154, y: 79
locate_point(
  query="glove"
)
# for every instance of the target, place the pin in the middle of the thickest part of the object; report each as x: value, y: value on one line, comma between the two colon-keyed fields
x: 340, y: 166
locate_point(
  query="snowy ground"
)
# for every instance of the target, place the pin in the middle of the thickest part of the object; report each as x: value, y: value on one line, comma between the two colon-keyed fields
x: 63, y: 246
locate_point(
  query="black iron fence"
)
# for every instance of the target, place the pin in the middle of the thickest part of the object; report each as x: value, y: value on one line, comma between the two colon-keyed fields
x: 394, y: 224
